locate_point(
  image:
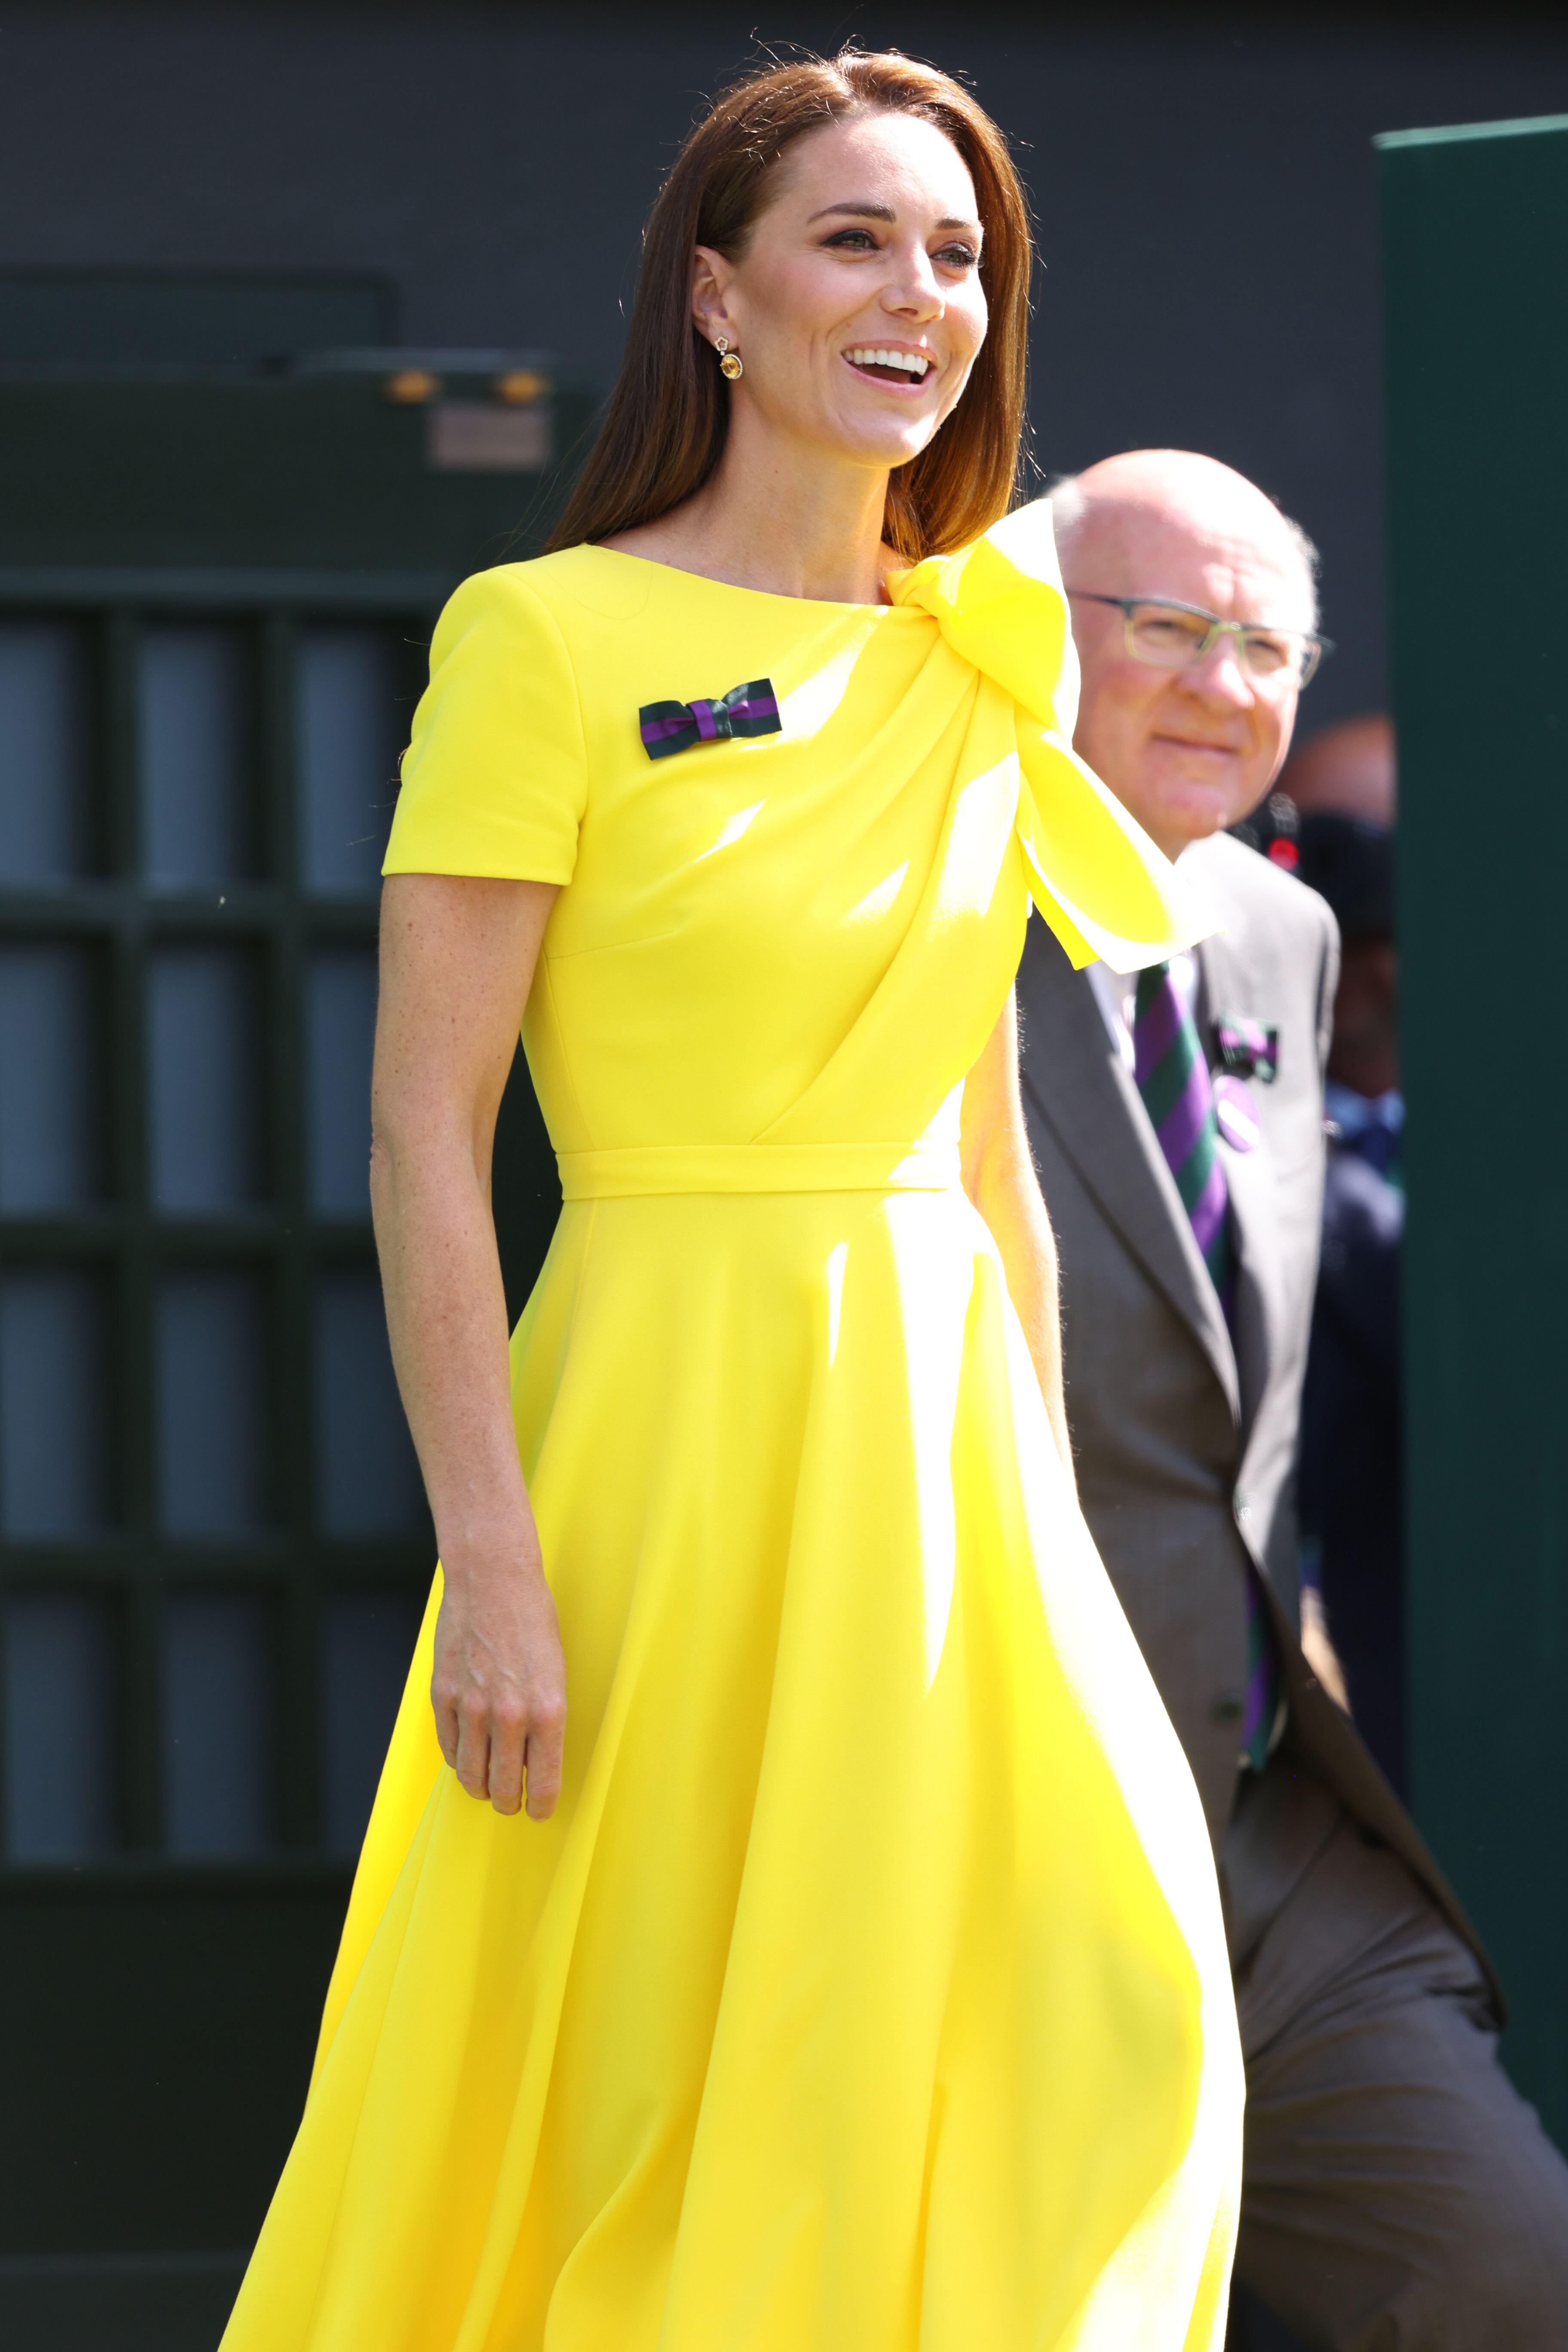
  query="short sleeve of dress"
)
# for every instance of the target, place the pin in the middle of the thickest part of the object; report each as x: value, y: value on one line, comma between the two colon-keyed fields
x: 495, y: 775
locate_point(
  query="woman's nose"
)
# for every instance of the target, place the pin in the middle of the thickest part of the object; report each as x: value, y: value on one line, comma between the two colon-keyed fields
x: 913, y: 291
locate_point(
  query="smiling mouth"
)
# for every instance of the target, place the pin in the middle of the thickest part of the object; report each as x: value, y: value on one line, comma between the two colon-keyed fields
x: 905, y: 368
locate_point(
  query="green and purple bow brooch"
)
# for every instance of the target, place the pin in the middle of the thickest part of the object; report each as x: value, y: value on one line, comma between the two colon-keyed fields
x: 671, y: 727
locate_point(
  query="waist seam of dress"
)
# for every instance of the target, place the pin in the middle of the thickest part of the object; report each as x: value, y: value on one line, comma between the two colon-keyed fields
x: 652, y: 1169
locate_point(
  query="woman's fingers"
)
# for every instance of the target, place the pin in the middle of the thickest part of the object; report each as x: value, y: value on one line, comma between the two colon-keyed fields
x: 498, y: 1691
x: 524, y: 1744
x: 508, y: 1730
x: 545, y: 1739
x: 498, y: 1749
x: 472, y: 1761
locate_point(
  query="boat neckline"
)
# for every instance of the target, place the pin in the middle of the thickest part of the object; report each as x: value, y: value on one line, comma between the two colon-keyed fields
x: 732, y: 588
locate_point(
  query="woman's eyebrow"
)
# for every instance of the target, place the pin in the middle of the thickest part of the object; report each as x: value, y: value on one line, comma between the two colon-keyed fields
x: 880, y: 213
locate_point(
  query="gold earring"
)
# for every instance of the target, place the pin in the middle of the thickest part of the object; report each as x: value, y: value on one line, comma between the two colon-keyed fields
x: 729, y: 361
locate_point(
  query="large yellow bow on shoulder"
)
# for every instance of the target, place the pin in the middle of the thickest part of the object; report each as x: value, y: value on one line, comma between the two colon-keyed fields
x: 1093, y: 872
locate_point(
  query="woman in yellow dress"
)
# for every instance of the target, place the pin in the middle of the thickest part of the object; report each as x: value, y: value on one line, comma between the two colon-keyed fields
x: 792, y: 1927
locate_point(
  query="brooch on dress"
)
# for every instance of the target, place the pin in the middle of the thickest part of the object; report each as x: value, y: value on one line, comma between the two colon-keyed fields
x: 671, y: 727
x: 1246, y: 1047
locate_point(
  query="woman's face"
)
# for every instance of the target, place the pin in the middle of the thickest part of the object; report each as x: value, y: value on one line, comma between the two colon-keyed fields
x: 857, y: 307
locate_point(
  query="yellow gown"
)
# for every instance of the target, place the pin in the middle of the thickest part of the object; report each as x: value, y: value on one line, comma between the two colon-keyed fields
x: 868, y: 1991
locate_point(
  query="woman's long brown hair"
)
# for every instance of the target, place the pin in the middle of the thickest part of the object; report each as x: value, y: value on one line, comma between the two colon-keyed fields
x: 664, y: 430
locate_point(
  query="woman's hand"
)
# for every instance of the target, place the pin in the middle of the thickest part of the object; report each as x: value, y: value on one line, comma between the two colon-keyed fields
x: 499, y: 1685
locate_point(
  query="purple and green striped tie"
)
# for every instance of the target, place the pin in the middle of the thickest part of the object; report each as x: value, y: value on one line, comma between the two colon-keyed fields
x: 1172, y: 1078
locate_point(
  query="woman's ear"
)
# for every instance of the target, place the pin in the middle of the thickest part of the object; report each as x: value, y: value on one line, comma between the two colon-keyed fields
x: 710, y: 277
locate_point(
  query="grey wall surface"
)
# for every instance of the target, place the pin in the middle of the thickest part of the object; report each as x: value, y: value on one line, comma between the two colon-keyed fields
x: 1205, y: 199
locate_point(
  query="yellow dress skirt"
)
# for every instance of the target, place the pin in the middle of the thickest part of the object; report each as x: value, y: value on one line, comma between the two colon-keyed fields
x: 868, y: 1991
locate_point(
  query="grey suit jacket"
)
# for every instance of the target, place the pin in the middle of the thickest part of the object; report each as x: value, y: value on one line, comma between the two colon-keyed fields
x: 1184, y: 1443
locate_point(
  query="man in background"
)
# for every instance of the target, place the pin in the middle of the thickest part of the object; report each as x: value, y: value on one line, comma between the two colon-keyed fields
x: 1398, y: 2192
x: 1341, y: 786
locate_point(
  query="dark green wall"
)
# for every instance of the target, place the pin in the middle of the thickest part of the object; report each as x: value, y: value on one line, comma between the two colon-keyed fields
x: 1476, y: 289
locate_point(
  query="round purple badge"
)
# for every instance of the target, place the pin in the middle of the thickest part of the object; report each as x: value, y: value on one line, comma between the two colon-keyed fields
x: 1236, y: 1112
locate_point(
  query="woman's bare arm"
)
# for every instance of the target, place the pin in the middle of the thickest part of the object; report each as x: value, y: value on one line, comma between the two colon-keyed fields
x: 999, y: 1178
x: 456, y: 964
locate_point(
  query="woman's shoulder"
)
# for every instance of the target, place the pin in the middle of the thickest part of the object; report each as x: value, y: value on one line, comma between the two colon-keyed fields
x: 495, y: 776
x: 574, y: 588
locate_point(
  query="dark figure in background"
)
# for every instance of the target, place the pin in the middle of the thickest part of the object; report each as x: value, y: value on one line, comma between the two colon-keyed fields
x: 1351, y: 1484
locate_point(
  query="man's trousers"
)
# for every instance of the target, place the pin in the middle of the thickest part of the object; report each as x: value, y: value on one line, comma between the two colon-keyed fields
x: 1398, y: 2194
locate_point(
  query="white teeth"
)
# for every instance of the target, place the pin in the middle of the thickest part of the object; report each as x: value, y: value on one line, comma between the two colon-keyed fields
x: 910, y: 361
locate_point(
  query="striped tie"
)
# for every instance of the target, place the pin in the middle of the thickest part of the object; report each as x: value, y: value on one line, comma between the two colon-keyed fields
x: 1174, y: 1079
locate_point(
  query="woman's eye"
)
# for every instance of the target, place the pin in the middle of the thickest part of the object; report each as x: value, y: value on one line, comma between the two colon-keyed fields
x: 860, y: 239
x: 959, y: 256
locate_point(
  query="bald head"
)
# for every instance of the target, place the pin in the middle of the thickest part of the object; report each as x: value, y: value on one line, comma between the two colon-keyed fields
x: 1345, y: 770
x: 1188, y: 751
x: 1114, y: 507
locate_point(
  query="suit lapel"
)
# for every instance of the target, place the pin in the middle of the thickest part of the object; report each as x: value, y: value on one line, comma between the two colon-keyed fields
x: 1079, y: 1085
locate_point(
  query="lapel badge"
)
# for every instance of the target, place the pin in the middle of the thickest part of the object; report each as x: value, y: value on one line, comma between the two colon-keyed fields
x: 1236, y: 1112
x: 1246, y: 1048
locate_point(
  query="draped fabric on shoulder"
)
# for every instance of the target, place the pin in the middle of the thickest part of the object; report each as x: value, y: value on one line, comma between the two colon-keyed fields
x: 867, y: 1992
x: 1096, y: 877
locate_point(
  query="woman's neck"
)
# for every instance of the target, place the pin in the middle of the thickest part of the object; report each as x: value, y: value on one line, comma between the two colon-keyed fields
x: 784, y: 521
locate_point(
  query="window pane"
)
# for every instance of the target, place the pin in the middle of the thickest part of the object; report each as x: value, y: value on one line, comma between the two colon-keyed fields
x: 340, y: 1026
x: 214, y: 1444
x: 219, y: 1725
x: 45, y: 736
x: 367, y: 1477
x: 349, y: 735
x: 193, y: 708
x: 206, y: 1073
x: 367, y: 1640
x: 61, y: 1727
x: 55, y: 1474
x: 51, y: 1078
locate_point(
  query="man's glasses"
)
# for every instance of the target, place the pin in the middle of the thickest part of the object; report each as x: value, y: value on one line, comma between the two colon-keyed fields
x: 1173, y: 635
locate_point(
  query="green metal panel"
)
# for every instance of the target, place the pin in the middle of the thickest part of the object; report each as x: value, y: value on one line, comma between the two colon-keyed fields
x: 1475, y: 268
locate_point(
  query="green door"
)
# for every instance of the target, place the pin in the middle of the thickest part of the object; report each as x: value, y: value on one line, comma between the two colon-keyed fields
x: 216, y: 590
x: 1474, y: 269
